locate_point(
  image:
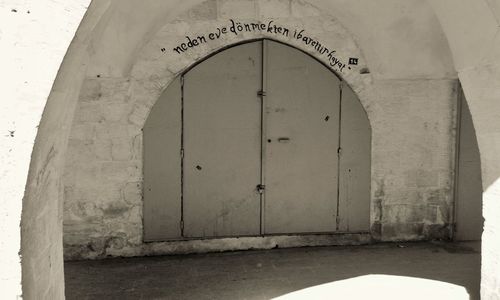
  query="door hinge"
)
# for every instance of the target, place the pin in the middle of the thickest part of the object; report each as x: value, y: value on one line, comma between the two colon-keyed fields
x: 181, y: 225
x: 261, y: 188
x: 261, y: 93
x: 339, y: 151
x: 182, y: 153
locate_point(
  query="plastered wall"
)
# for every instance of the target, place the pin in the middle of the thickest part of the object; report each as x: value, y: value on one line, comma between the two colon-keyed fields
x: 413, y: 125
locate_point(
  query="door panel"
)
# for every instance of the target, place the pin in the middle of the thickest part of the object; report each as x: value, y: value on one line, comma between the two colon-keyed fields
x: 162, y: 167
x: 302, y: 125
x: 222, y: 144
x: 354, y: 169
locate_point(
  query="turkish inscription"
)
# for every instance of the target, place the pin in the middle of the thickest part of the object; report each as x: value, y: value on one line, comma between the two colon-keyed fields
x: 237, y: 28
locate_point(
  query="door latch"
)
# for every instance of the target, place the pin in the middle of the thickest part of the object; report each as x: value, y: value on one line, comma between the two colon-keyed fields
x: 261, y: 188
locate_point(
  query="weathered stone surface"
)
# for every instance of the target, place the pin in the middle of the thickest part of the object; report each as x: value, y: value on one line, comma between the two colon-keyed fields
x: 274, y: 9
x: 413, y: 123
x: 393, y: 54
x: 243, y: 9
x: 106, y: 144
x: 205, y: 11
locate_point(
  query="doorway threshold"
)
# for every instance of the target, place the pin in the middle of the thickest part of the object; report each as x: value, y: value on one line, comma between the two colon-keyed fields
x: 198, y: 246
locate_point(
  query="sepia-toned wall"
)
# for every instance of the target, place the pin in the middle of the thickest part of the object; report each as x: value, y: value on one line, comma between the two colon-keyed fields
x: 412, y: 119
x: 423, y: 42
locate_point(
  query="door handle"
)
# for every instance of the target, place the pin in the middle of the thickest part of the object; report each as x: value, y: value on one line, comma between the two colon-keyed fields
x: 283, y: 140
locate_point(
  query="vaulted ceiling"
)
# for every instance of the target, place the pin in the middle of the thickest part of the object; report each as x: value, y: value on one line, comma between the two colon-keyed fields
x: 400, y: 39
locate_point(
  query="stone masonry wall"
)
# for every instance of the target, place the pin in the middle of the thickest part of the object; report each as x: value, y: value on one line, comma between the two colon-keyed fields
x: 413, y: 127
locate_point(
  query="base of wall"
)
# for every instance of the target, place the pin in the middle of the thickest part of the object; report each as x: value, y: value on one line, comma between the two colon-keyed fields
x: 228, y: 244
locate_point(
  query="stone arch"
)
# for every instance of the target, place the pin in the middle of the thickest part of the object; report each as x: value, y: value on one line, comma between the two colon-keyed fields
x: 135, y: 94
x: 35, y: 266
x: 117, y: 103
x: 73, y: 66
x: 185, y: 69
x: 161, y: 71
x: 479, y: 73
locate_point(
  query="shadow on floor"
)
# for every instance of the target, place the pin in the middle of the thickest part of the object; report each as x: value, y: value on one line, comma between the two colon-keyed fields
x: 269, y: 273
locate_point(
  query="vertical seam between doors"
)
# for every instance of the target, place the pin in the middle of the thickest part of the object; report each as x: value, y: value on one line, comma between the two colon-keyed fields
x: 339, y: 154
x: 262, y: 134
x: 182, y: 157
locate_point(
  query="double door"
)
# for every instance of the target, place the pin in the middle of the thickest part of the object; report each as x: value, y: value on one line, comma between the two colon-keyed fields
x: 260, y: 139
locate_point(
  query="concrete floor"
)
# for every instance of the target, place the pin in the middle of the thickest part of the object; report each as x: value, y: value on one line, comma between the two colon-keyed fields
x: 270, y: 273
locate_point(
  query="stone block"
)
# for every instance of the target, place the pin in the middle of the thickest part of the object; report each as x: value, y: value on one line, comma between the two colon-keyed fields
x: 85, y: 131
x: 107, y: 193
x: 89, y: 113
x: 270, y: 9
x: 89, y: 212
x: 115, y: 209
x: 435, y: 196
x: 80, y: 233
x: 138, y: 114
x: 206, y: 10
x: 403, y: 213
x: 137, y: 142
x: 121, y: 149
x: 90, y: 91
x: 300, y: 9
x: 83, y: 174
x: 376, y: 230
x: 116, y: 243
x: 237, y: 9
x: 411, y: 178
x: 102, y: 150
x: 121, y: 171
x: 116, y: 111
x: 132, y: 193
x: 443, y: 214
x: 437, y: 231
x: 112, y: 130
x: 105, y: 90
x: 427, y: 178
x: 431, y: 214
x: 402, y: 231
x: 446, y: 177
x: 135, y: 215
x: 81, y: 150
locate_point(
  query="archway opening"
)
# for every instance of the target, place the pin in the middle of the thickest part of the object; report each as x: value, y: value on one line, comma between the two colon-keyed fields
x: 257, y: 140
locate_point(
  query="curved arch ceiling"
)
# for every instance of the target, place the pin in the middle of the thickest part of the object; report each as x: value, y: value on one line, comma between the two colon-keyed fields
x: 475, y: 40
x: 400, y: 39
